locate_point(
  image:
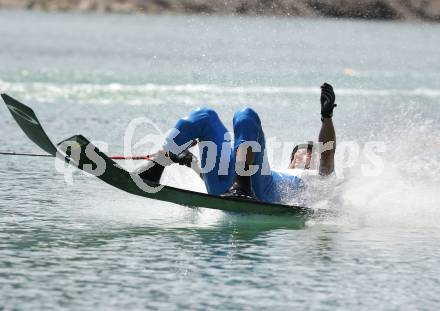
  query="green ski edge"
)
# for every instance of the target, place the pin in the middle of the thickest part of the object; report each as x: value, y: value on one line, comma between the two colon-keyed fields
x: 118, y: 177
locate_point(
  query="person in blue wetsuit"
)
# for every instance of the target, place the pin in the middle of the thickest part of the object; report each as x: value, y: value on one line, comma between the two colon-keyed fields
x: 240, y: 169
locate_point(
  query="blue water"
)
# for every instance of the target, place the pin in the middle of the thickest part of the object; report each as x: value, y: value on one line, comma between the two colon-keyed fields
x: 79, y: 244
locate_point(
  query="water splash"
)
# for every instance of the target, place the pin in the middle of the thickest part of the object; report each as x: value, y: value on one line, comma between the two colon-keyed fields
x: 406, y: 193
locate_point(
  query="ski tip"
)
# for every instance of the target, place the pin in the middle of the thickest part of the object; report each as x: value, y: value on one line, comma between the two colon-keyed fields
x: 75, y: 138
x: 6, y: 97
x: 12, y: 102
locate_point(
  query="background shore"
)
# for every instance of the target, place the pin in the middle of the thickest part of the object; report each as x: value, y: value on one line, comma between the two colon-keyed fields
x: 428, y: 10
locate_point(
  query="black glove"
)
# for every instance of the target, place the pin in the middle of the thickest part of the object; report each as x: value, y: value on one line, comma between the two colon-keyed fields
x: 327, y: 101
x: 183, y: 158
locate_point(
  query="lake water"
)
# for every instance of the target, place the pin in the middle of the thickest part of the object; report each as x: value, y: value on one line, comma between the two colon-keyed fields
x: 83, y: 245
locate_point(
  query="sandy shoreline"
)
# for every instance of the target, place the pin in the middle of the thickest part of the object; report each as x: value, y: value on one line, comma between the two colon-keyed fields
x: 428, y: 10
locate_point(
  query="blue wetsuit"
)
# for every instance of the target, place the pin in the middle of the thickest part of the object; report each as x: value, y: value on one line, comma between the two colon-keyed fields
x: 205, y: 125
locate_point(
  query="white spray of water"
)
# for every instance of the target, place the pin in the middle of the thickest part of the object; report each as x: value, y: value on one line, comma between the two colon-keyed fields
x: 406, y: 194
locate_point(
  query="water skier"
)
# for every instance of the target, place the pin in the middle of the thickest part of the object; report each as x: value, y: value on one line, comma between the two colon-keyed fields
x: 241, y: 170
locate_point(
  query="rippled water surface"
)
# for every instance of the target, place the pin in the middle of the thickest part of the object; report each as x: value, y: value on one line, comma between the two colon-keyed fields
x: 80, y: 244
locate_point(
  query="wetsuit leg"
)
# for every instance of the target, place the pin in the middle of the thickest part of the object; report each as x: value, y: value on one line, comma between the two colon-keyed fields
x: 205, y: 125
x: 247, y: 127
